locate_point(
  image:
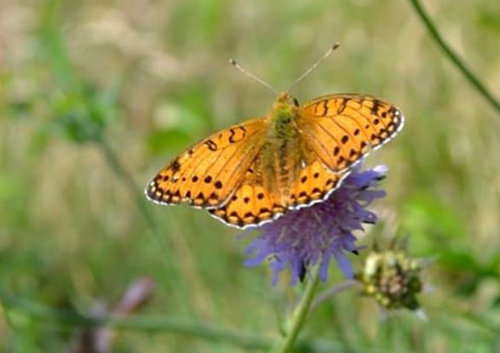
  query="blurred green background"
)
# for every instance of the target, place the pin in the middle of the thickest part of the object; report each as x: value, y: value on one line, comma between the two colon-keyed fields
x: 96, y: 96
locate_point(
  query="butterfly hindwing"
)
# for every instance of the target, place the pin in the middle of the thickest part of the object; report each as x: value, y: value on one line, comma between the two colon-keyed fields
x: 343, y: 128
x: 208, y: 172
x: 253, y: 204
x: 314, y: 183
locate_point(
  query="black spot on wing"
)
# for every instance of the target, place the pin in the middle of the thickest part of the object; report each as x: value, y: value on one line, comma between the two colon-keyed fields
x: 175, y: 166
x: 376, y: 105
x: 343, y: 105
x: 325, y: 107
x: 212, y: 146
x: 234, y: 137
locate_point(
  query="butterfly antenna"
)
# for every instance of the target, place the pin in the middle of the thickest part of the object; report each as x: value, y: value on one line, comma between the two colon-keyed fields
x: 314, y: 66
x: 236, y: 65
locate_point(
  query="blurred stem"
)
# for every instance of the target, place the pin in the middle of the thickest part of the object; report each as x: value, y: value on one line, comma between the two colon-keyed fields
x: 297, y: 320
x: 24, y: 312
x: 478, y: 85
x: 118, y: 168
x: 329, y: 293
x: 55, y: 53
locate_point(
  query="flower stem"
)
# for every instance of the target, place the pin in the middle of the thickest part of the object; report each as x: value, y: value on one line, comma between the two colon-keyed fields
x: 328, y: 294
x: 478, y: 85
x: 119, y: 169
x: 298, y: 317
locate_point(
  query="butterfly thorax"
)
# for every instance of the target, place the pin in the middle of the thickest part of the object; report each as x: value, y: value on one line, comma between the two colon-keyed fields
x: 281, y: 153
x: 283, y: 118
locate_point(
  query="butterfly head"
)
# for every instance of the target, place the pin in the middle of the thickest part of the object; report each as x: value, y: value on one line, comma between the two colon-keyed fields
x: 287, y: 99
x: 285, y: 107
x: 285, y: 111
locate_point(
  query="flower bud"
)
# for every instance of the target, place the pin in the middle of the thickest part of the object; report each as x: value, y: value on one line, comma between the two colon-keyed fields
x: 392, y: 277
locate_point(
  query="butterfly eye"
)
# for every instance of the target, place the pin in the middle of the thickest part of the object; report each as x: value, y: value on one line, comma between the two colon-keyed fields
x: 296, y: 102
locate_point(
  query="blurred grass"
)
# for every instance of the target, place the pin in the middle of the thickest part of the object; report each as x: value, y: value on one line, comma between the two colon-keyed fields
x: 148, y: 78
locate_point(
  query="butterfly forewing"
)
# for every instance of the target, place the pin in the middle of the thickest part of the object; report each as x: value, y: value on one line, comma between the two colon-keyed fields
x: 343, y: 128
x: 209, y: 172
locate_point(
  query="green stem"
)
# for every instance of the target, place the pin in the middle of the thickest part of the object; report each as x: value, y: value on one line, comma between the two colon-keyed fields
x: 328, y: 294
x: 298, y: 317
x: 112, y: 159
x: 119, y: 169
x: 454, y: 57
x: 122, y: 173
x: 24, y: 311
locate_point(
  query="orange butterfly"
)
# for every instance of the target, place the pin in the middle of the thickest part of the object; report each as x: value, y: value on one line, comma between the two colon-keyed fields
x: 254, y: 172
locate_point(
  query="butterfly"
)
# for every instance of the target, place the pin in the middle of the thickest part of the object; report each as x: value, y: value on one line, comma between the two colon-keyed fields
x: 254, y: 172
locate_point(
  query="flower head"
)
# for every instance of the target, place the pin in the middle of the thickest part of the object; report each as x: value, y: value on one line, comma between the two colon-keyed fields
x: 317, y: 234
x: 392, y: 277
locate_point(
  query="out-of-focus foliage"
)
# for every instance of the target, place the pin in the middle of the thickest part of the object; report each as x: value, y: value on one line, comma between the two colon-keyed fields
x: 147, y: 78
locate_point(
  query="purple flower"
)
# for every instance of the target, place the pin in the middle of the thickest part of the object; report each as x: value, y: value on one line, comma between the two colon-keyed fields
x: 307, y: 236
